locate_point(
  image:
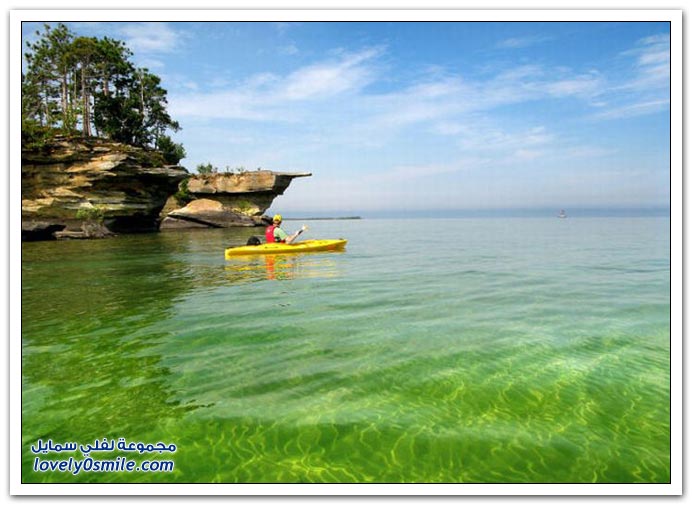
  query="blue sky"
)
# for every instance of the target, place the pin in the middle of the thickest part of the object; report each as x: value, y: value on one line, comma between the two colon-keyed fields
x: 415, y: 116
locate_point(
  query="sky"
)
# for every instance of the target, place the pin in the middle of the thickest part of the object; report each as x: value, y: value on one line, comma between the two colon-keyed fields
x: 415, y: 116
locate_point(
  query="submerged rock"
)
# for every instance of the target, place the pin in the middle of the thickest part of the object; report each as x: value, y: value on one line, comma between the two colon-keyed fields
x: 87, y: 229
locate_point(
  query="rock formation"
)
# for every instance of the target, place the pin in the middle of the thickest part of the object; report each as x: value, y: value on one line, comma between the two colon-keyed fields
x: 91, y: 188
x: 223, y: 200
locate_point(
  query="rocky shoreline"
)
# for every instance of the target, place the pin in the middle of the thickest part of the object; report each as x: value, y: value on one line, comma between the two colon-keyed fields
x: 93, y: 188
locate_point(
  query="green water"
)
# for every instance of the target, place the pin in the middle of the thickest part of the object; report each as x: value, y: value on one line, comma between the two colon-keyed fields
x: 455, y: 350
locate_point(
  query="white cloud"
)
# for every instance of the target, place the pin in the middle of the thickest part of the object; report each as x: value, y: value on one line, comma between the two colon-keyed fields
x: 267, y: 96
x: 634, y: 109
x: 655, y: 56
x: 190, y: 85
x: 330, y: 78
x: 234, y: 104
x: 440, y: 100
x: 437, y: 89
x: 282, y: 26
x: 154, y: 37
x: 151, y: 64
x: 527, y: 154
x: 444, y: 99
x: 219, y: 82
x: 484, y: 136
x: 652, y: 63
x: 586, y: 151
x: 400, y: 173
x: 583, y: 85
x: 328, y: 108
x: 645, y: 88
x: 521, y: 42
x: 450, y: 128
x: 520, y: 74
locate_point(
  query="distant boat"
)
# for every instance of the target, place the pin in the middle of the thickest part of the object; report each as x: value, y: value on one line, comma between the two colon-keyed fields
x: 562, y: 214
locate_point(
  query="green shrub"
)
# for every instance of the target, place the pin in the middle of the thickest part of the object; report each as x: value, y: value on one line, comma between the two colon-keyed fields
x: 36, y: 136
x: 90, y: 214
x: 206, y: 168
x: 183, y: 195
x: 243, y: 206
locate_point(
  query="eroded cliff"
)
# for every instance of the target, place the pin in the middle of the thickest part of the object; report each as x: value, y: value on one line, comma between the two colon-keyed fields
x: 224, y: 200
x: 91, y: 188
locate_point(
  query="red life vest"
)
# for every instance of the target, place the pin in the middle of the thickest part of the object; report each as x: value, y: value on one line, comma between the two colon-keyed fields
x: 269, y: 234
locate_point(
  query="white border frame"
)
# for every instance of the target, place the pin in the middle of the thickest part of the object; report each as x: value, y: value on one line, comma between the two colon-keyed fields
x: 676, y: 209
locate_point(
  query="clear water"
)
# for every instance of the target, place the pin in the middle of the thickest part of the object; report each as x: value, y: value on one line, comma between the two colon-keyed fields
x: 451, y: 350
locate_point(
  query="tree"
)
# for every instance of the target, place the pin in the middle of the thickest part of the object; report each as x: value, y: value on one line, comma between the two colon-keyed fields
x: 172, y: 152
x: 92, y: 83
x: 39, y: 85
x: 113, y: 66
x: 117, y: 118
x: 60, y: 42
x: 153, y: 102
x: 86, y: 53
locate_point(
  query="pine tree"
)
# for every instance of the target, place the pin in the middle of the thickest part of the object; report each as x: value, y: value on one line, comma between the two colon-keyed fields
x: 91, y: 82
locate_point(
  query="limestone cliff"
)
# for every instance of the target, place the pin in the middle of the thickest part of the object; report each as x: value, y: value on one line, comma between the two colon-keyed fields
x: 91, y: 187
x: 224, y: 200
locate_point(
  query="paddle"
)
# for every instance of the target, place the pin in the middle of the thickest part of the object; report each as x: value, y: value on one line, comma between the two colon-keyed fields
x: 290, y: 239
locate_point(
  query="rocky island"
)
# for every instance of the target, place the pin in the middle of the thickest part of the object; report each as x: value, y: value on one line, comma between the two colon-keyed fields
x: 97, y: 158
x: 90, y: 188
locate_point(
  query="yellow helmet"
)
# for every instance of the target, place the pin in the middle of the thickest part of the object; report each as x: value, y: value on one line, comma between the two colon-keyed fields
x: 277, y: 218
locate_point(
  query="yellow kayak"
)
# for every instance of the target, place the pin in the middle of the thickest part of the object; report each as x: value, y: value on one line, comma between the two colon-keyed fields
x: 279, y: 248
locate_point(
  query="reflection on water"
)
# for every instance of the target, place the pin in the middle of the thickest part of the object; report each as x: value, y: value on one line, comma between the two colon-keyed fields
x: 281, y: 267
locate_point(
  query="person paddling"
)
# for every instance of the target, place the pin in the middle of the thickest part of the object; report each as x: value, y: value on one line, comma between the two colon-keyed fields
x: 274, y: 233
